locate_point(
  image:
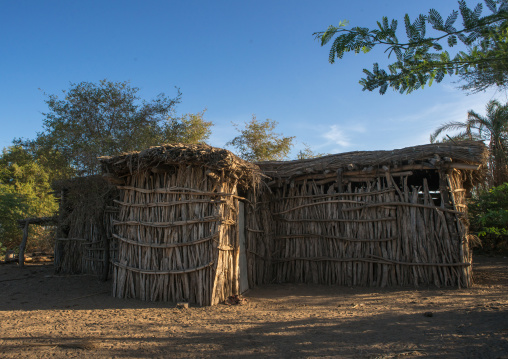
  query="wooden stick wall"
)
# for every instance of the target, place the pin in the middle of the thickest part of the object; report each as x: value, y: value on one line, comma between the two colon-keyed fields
x: 177, y: 237
x: 371, y: 232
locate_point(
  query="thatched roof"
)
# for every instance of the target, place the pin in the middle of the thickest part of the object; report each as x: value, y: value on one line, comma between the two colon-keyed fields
x: 215, y: 159
x: 467, y: 155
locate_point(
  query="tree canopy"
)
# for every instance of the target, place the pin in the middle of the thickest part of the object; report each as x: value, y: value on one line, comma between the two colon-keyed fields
x: 259, y: 142
x: 24, y: 192
x: 108, y: 118
x: 188, y: 128
x: 491, y: 128
x: 420, y: 58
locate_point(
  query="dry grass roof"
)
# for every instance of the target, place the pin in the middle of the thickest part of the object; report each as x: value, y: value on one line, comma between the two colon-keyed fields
x: 215, y: 159
x: 439, y: 155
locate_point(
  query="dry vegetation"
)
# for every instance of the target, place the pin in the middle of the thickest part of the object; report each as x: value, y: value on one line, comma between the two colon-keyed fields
x: 45, y: 315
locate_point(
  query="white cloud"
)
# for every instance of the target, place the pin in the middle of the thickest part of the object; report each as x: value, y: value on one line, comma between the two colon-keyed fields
x: 341, y: 135
x: 337, y: 136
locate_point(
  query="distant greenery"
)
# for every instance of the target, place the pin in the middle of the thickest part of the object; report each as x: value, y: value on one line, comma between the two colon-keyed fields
x: 420, y: 58
x: 188, y: 128
x: 24, y: 192
x: 91, y: 120
x: 108, y: 118
x: 258, y: 141
x: 489, y: 218
x: 101, y: 119
x: 307, y: 153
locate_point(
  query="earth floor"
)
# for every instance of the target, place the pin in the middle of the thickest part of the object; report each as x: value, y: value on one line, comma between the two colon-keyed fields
x: 43, y: 315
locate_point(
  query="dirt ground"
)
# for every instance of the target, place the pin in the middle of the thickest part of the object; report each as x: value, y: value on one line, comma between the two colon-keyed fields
x: 45, y: 316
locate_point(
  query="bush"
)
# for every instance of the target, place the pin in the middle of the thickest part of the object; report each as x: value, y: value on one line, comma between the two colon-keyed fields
x: 489, y: 218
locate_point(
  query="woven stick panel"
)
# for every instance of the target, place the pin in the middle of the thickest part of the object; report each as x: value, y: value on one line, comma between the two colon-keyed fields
x: 85, y: 223
x: 171, y: 243
x: 377, y: 237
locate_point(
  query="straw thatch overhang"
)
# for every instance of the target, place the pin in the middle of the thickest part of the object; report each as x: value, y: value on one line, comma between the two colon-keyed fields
x: 161, y: 158
x: 464, y: 155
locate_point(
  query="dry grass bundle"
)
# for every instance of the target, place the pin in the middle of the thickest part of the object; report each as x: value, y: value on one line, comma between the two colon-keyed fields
x: 160, y: 159
x: 470, y: 155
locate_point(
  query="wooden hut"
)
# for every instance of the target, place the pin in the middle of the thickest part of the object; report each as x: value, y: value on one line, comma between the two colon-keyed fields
x: 380, y: 218
x: 179, y: 224
x: 83, y: 242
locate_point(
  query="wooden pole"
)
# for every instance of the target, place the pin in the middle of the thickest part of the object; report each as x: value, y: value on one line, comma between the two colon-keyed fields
x: 23, y: 245
x: 60, y: 234
x: 107, y: 255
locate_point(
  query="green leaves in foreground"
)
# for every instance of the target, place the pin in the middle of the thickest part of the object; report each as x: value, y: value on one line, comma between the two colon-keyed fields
x: 420, y: 59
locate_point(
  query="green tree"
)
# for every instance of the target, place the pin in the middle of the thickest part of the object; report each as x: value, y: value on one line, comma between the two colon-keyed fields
x: 488, y: 213
x: 99, y: 120
x: 188, y: 128
x: 54, y: 162
x: 492, y: 128
x: 24, y: 192
x: 420, y: 58
x: 13, y: 206
x: 259, y: 142
x: 307, y: 153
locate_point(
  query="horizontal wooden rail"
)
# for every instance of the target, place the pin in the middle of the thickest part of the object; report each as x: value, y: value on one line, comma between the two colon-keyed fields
x: 168, y: 224
x: 372, y: 259
x: 168, y: 204
x: 254, y: 230
x: 392, y: 261
x: 340, y: 220
x: 179, y: 190
x: 319, y: 196
x: 72, y: 239
x: 363, y: 205
x: 348, y: 239
x: 161, y: 272
x: 165, y: 245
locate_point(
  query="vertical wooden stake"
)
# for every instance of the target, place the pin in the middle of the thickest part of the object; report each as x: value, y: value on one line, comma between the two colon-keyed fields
x: 340, y: 187
x: 59, y: 234
x: 107, y: 254
x: 236, y: 252
x: 21, y: 258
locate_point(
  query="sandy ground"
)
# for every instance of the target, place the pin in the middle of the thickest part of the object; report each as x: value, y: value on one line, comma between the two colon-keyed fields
x: 43, y: 316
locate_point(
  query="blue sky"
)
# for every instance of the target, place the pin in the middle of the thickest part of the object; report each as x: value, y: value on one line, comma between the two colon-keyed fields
x: 234, y: 58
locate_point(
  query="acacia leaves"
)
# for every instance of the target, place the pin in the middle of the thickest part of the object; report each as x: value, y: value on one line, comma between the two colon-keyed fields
x: 420, y: 59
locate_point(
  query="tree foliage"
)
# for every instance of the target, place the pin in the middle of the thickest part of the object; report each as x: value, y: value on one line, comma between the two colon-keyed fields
x: 307, y: 153
x: 188, y: 128
x: 259, y: 142
x: 24, y: 192
x: 420, y: 58
x: 109, y: 118
x: 489, y: 218
x: 492, y: 128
